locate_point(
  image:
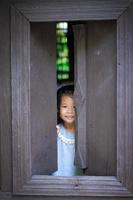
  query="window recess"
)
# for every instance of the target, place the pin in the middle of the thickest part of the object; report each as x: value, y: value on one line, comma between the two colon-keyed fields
x: 25, y: 182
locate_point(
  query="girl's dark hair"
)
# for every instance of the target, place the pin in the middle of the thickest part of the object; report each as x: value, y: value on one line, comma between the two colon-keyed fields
x: 63, y: 90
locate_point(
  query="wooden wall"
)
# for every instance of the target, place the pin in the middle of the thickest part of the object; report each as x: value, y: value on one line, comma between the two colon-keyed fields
x: 10, y: 197
x: 5, y: 96
x: 101, y: 103
x: 5, y: 116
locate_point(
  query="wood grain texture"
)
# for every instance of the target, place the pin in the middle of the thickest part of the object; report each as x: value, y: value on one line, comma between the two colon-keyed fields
x: 24, y: 183
x: 101, y: 97
x: 43, y: 95
x: 67, y: 10
x: 9, y: 196
x: 125, y: 98
x: 80, y: 95
x: 75, y: 186
x: 20, y: 64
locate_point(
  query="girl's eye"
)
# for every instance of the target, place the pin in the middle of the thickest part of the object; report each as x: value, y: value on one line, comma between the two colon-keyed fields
x: 64, y: 106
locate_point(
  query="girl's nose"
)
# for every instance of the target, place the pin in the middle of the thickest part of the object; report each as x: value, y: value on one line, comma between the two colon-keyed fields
x: 70, y: 110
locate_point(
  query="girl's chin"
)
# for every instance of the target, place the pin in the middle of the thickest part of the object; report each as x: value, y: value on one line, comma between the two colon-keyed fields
x: 69, y: 122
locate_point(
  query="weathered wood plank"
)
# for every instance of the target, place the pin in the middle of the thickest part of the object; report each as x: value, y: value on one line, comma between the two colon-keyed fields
x: 43, y: 90
x: 101, y: 97
x: 125, y: 98
x: 20, y: 65
x: 67, y: 10
x: 80, y: 95
x: 9, y: 196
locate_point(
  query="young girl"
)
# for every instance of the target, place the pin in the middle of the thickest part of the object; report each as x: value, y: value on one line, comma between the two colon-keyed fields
x: 66, y: 134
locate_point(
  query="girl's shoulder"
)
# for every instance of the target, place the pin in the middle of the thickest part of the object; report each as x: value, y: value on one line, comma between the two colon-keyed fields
x: 58, y: 128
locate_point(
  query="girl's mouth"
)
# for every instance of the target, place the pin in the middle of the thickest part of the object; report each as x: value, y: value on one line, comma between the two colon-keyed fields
x: 69, y: 117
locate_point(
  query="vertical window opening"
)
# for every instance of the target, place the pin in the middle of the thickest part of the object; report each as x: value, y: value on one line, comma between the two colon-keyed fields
x: 65, y: 101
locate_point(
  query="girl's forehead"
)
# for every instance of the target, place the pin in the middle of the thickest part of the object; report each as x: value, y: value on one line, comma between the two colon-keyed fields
x: 66, y: 97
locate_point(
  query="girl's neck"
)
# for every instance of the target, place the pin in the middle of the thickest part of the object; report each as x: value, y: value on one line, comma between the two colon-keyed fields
x: 70, y: 127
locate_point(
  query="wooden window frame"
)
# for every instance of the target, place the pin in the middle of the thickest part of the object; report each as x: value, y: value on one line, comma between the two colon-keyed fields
x: 24, y: 12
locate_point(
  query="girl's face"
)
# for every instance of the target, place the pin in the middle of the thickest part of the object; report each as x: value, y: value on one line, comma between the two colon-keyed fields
x: 67, y: 109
